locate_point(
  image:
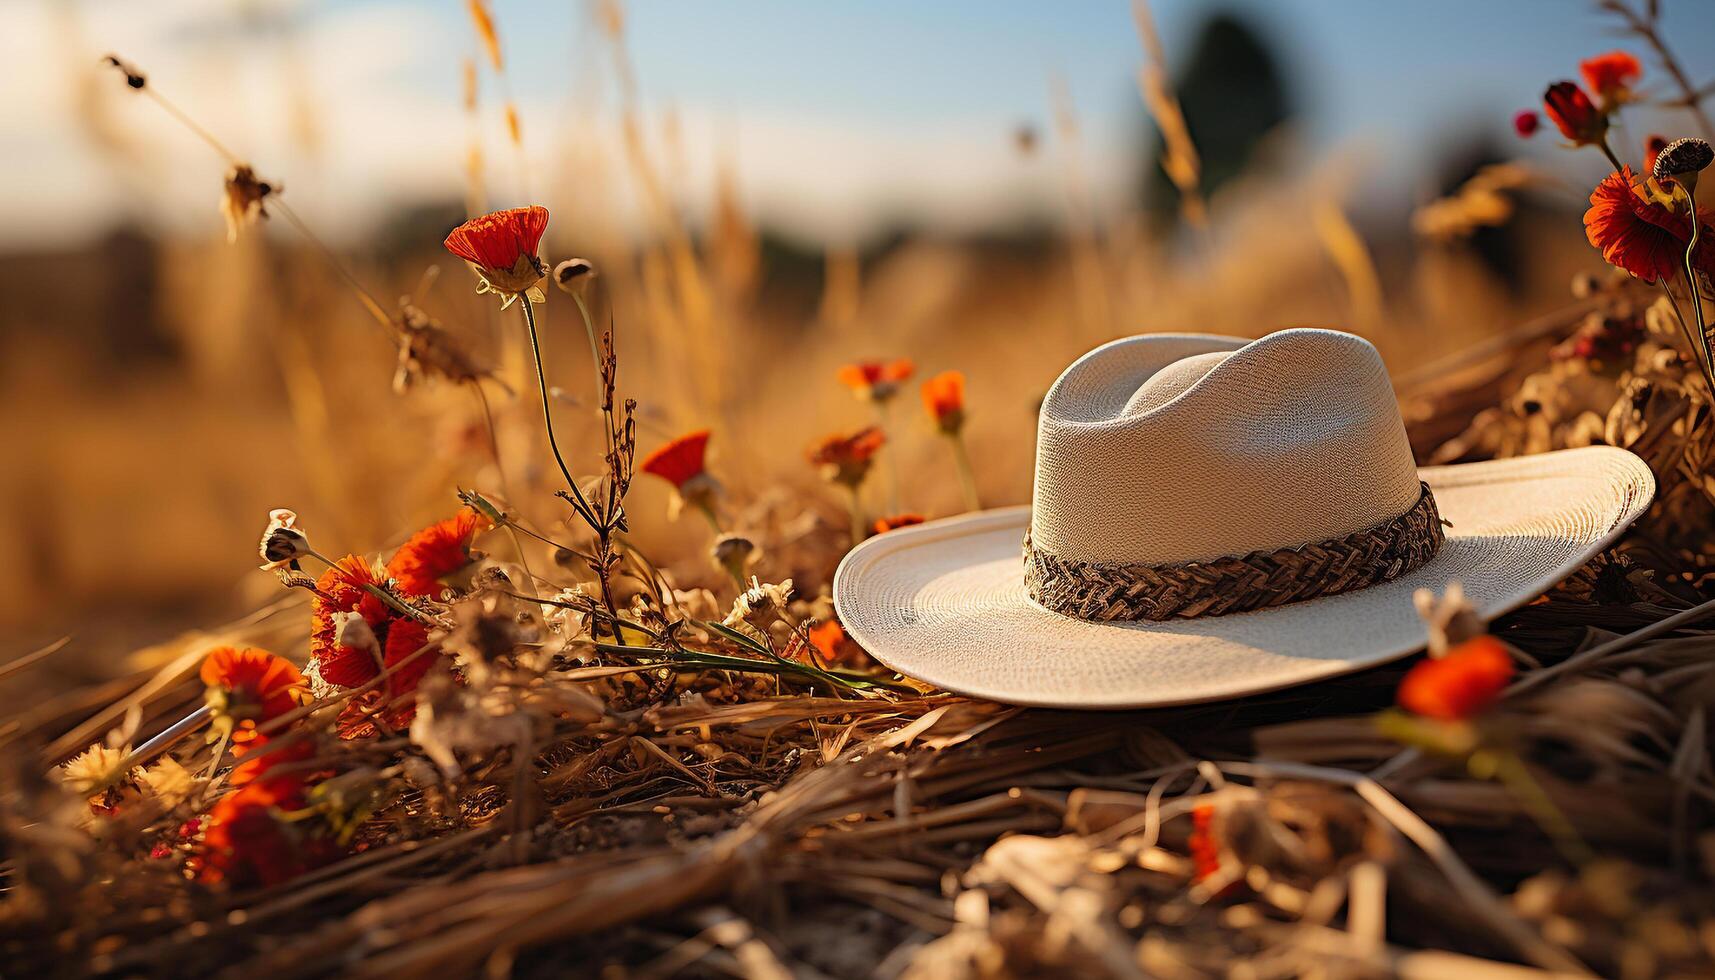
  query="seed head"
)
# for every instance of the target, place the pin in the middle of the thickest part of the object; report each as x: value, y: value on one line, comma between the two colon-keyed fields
x: 1682, y: 157
x: 575, y: 276
x: 734, y: 553
x: 282, y: 542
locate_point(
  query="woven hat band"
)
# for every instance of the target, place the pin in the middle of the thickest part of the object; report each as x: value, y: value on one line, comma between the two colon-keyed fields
x: 1240, y: 583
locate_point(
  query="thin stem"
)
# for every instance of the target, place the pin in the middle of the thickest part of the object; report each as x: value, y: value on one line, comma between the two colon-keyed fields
x: 1704, y: 368
x: 856, y: 507
x: 500, y: 469
x: 542, y: 385
x: 1691, y: 284
x: 882, y: 414
x: 191, y: 124
x: 595, y: 364
x: 1609, y: 153
x: 967, y: 478
x: 370, y: 303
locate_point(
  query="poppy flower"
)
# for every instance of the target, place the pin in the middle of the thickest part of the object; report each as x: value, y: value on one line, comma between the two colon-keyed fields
x: 886, y: 524
x: 1611, y: 76
x: 1461, y: 684
x: 1571, y: 110
x: 846, y: 459
x: 876, y: 380
x: 682, y: 463
x: 436, y: 551
x: 249, y: 687
x: 944, y: 397
x: 250, y: 842
x: 1526, y: 122
x: 1641, y: 235
x: 502, y: 247
x: 679, y: 461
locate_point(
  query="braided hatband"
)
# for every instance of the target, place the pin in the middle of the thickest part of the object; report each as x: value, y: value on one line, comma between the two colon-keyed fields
x: 1118, y: 590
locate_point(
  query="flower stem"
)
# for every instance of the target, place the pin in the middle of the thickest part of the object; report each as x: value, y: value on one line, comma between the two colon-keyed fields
x: 856, y: 506
x: 1609, y: 153
x: 967, y: 478
x: 1696, y: 293
x: 542, y: 385
x: 595, y: 362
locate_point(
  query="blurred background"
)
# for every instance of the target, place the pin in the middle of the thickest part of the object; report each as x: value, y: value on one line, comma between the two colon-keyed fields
x: 769, y: 190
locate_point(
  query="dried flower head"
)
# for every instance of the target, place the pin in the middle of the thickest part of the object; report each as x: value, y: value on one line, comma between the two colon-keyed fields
x: 876, y: 381
x: 502, y: 248
x: 944, y: 399
x: 97, y: 770
x: 575, y: 276
x: 1639, y: 234
x: 1571, y: 110
x: 168, y: 781
x: 282, y: 542
x: 1449, y: 619
x: 734, y: 552
x: 1611, y: 76
x: 133, y: 77
x: 1682, y: 160
x: 1460, y: 685
x: 760, y: 605
x: 896, y: 521
x: 846, y: 459
x: 244, y: 199
x: 429, y: 352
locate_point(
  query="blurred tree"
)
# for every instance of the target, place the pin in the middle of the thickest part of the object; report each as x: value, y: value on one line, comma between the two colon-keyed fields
x: 1233, y: 94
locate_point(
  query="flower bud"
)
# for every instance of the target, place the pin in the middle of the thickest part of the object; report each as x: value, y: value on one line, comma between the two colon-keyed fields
x: 574, y: 276
x: 734, y: 553
x: 1571, y: 110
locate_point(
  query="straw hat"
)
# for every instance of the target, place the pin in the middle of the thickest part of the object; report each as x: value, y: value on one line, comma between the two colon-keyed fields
x: 1215, y: 517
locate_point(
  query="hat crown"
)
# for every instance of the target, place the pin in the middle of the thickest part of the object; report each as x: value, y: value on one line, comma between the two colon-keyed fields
x: 1168, y: 449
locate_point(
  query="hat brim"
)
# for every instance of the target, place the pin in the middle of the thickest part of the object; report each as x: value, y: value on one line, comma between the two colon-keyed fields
x: 945, y: 602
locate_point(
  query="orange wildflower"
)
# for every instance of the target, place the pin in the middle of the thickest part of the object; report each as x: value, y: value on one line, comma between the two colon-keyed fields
x: 1578, y: 118
x: 258, y: 762
x: 1611, y: 76
x: 250, y: 842
x: 944, y: 397
x: 680, y: 461
x: 1640, y: 235
x: 1461, y: 684
x: 502, y: 247
x: 251, y: 686
x: 886, y: 524
x: 830, y: 640
x: 876, y: 380
x: 341, y: 590
x: 846, y: 459
x: 437, y: 550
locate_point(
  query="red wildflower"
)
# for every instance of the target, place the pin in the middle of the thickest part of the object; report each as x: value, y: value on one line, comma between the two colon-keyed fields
x: 876, y: 380
x: 1570, y: 109
x: 1640, y: 235
x: 846, y: 458
x: 502, y: 246
x: 1461, y: 684
x: 1205, y: 846
x: 886, y: 524
x: 1611, y: 75
x: 251, y: 686
x: 1653, y: 146
x: 341, y: 591
x: 680, y: 461
x: 944, y: 397
x: 1526, y: 122
x: 250, y: 842
x: 437, y: 550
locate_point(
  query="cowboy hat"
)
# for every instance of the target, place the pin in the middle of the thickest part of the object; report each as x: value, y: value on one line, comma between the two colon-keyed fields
x: 1215, y: 517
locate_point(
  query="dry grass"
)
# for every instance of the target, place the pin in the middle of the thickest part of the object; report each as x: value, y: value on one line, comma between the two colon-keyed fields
x: 607, y: 816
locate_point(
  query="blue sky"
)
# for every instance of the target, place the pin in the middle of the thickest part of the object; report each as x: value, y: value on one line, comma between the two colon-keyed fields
x: 829, y: 113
